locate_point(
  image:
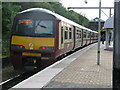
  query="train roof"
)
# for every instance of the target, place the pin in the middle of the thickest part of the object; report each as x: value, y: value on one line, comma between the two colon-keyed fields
x: 57, y: 16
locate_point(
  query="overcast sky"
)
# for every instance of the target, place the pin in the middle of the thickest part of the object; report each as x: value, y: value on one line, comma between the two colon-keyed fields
x: 89, y: 13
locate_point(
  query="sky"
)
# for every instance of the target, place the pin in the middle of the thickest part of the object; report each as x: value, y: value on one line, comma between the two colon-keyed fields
x: 90, y: 13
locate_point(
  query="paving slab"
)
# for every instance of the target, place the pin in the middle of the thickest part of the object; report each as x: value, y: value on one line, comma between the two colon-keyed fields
x: 84, y: 71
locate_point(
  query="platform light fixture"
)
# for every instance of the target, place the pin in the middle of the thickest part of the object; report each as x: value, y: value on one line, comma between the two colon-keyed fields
x: 99, y: 35
x: 86, y: 1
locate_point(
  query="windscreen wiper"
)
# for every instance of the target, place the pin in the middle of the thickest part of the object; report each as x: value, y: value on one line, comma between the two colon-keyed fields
x: 43, y: 26
x: 40, y: 25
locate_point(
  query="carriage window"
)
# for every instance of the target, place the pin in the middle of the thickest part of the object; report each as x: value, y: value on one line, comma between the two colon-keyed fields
x: 44, y: 27
x: 61, y: 35
x: 66, y: 34
x: 88, y: 34
x: 70, y: 33
x: 96, y: 36
x: 91, y: 35
x: 66, y: 28
x: 84, y: 34
x: 78, y: 34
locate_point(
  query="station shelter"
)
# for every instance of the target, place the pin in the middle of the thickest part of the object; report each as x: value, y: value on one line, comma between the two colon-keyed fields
x: 109, y: 28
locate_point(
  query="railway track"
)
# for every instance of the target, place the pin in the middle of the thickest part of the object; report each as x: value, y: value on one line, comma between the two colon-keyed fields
x: 17, y: 79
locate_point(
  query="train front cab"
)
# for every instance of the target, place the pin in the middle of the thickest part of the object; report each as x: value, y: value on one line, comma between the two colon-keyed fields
x: 33, y: 39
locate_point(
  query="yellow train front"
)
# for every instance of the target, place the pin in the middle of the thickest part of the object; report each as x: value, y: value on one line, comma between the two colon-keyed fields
x: 33, y: 39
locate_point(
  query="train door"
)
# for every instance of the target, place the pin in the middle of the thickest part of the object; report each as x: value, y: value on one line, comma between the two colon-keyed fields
x: 61, y: 36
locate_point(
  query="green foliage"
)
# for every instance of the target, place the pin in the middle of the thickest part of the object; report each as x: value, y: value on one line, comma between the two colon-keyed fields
x: 8, y: 13
x: 70, y: 14
x: 27, y: 5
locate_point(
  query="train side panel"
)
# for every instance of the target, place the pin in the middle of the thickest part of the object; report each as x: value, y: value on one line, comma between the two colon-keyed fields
x: 66, y: 40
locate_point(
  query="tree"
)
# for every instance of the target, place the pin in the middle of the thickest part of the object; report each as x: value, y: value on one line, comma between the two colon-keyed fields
x: 8, y: 13
x: 57, y: 8
x: 28, y: 5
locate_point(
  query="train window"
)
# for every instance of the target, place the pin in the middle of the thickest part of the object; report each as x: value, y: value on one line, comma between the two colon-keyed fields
x: 32, y: 27
x: 84, y: 34
x: 96, y: 36
x: 92, y: 35
x: 70, y: 33
x: 88, y: 34
x: 61, y: 35
x: 44, y: 27
x: 23, y: 26
x: 66, y: 34
x: 66, y: 28
x: 78, y: 34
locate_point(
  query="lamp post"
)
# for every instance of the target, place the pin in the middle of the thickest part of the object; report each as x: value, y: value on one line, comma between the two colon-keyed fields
x: 86, y: 2
x: 99, y: 30
x: 99, y: 36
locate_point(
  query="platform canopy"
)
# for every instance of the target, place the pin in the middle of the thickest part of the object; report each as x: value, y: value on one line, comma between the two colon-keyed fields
x: 109, y: 23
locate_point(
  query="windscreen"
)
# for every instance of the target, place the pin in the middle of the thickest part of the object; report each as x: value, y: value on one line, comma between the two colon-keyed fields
x: 34, y: 27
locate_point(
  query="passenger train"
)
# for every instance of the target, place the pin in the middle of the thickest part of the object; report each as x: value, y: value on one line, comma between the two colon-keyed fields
x: 40, y: 36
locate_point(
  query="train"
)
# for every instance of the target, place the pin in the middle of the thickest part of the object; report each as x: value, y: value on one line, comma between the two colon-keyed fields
x: 40, y: 36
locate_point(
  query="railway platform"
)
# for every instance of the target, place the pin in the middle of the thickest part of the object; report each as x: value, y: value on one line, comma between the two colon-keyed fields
x: 79, y: 70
